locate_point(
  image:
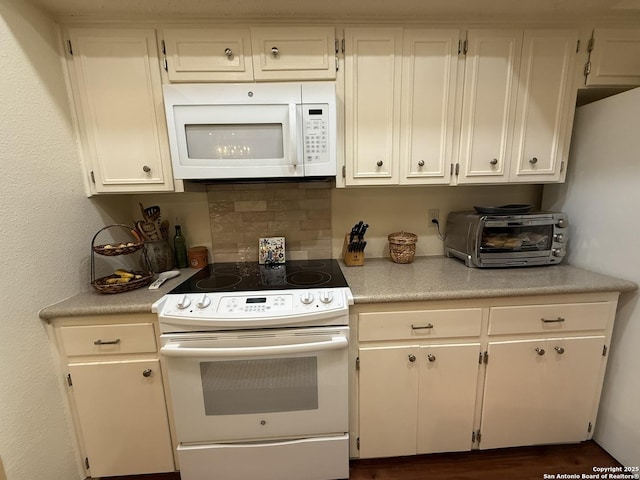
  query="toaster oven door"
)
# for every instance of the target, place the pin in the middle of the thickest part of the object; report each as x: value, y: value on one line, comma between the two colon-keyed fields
x: 516, y: 243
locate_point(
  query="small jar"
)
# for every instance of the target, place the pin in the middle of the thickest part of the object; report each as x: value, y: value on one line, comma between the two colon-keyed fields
x: 198, y: 257
x: 402, y: 246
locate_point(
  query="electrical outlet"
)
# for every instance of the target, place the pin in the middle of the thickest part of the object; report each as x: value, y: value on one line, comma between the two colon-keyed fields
x: 434, y: 214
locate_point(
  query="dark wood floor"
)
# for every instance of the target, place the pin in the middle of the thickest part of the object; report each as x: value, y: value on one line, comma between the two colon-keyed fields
x: 526, y: 463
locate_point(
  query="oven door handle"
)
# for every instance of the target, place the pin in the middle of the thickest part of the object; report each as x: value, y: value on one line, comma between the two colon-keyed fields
x: 176, y: 350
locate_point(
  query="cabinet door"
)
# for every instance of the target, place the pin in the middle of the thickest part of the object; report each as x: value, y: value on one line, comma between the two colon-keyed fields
x: 429, y: 73
x: 545, y: 106
x: 123, y: 417
x: 615, y: 57
x: 294, y: 53
x: 388, y: 392
x: 372, y: 105
x: 208, y: 54
x: 490, y: 90
x: 447, y: 397
x: 115, y: 75
x: 540, y: 391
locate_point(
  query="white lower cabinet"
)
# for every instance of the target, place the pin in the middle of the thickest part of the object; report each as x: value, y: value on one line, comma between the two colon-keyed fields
x: 540, y: 391
x: 116, y: 392
x: 479, y: 374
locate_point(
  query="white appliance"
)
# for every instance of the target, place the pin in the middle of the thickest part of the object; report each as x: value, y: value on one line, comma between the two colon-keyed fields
x: 259, y: 377
x: 602, y: 198
x: 225, y: 131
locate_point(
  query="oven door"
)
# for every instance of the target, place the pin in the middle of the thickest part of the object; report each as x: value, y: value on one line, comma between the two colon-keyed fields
x: 267, y: 384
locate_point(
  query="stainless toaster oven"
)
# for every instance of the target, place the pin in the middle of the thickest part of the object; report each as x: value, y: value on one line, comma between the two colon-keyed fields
x: 506, y: 240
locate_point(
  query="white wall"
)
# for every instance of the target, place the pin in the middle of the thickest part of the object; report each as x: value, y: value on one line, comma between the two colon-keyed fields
x: 602, y: 200
x: 46, y: 225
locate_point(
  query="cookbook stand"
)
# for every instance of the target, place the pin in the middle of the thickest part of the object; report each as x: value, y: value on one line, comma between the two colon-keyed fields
x: 351, y: 258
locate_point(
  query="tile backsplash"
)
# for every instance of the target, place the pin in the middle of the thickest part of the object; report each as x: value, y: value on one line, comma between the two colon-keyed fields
x: 241, y: 213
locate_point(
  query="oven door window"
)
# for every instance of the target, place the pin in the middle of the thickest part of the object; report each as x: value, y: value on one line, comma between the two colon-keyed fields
x: 235, y: 142
x: 530, y: 238
x: 238, y: 387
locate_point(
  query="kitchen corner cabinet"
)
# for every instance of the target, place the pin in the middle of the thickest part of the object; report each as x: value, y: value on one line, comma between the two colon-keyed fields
x: 614, y: 58
x: 116, y: 85
x: 245, y: 54
x: 479, y: 374
x: 116, y: 391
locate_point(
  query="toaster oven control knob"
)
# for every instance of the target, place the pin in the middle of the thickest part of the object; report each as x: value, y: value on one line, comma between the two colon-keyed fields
x: 561, y: 223
x: 204, y: 301
x: 559, y: 237
x: 558, y: 252
x: 184, y: 302
x: 326, y: 297
x: 306, y: 298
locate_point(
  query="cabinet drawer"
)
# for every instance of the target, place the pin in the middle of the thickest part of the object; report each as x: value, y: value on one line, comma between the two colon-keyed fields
x: 108, y: 339
x: 419, y: 324
x: 549, y: 318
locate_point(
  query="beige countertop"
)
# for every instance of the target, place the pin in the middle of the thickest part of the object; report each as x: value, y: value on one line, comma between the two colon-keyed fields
x: 381, y: 280
x: 441, y: 278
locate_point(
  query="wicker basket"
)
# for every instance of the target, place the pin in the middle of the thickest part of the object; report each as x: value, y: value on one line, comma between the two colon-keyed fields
x: 402, y: 246
x: 102, y: 286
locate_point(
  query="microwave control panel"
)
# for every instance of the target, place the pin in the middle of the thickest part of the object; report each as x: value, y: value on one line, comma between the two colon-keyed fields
x: 315, y: 124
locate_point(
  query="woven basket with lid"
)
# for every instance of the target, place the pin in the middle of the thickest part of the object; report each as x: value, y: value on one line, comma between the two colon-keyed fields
x: 402, y: 246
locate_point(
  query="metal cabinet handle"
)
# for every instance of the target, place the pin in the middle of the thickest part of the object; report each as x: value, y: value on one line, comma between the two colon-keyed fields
x: 533, y: 161
x: 428, y: 325
x: 228, y: 52
x: 412, y: 358
x: 146, y: 373
x: 540, y: 351
x: 275, y: 51
x: 146, y: 169
x: 560, y: 350
x: 431, y: 358
x: 494, y: 161
x: 379, y: 163
x: 108, y: 342
x: 553, y: 320
x: 421, y: 163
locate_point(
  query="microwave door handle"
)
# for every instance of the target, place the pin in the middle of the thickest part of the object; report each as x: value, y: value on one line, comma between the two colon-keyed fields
x: 175, y: 350
x: 293, y: 135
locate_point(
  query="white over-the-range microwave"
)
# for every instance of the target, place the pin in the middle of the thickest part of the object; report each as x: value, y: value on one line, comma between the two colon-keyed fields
x: 236, y: 131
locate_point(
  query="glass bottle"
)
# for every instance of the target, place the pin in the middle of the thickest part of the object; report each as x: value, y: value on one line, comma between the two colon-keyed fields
x: 180, y: 248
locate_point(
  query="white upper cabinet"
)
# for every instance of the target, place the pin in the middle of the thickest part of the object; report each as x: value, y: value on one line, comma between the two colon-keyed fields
x: 545, y: 107
x: 294, y: 53
x: 115, y: 78
x: 429, y: 96
x: 244, y: 54
x: 208, y: 54
x: 614, y: 58
x: 373, y: 59
x: 488, y: 112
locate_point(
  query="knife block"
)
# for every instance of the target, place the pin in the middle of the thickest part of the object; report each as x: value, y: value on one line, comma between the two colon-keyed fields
x: 351, y: 259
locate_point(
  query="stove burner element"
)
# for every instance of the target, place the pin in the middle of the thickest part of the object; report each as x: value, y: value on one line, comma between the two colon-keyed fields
x: 307, y: 278
x: 219, y: 282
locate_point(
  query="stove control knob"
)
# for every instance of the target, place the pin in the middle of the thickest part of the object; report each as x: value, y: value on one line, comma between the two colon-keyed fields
x: 184, y: 302
x: 326, y: 296
x: 306, y: 298
x: 204, y: 301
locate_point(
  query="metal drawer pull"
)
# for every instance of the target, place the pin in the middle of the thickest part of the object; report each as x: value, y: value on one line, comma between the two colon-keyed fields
x: 540, y: 351
x: 428, y: 325
x: 431, y: 358
x: 146, y: 373
x: 560, y: 350
x: 412, y: 358
x: 552, y: 320
x: 275, y: 51
x: 110, y: 342
x: 228, y: 52
x: 494, y: 161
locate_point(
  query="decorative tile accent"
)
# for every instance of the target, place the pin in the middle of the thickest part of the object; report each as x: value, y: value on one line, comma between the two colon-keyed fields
x: 242, y: 213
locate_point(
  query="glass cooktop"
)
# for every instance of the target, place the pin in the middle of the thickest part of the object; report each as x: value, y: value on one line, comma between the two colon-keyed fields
x: 251, y: 276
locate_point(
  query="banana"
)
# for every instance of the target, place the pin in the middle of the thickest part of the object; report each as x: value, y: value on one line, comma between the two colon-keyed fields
x: 111, y: 281
x: 123, y: 273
